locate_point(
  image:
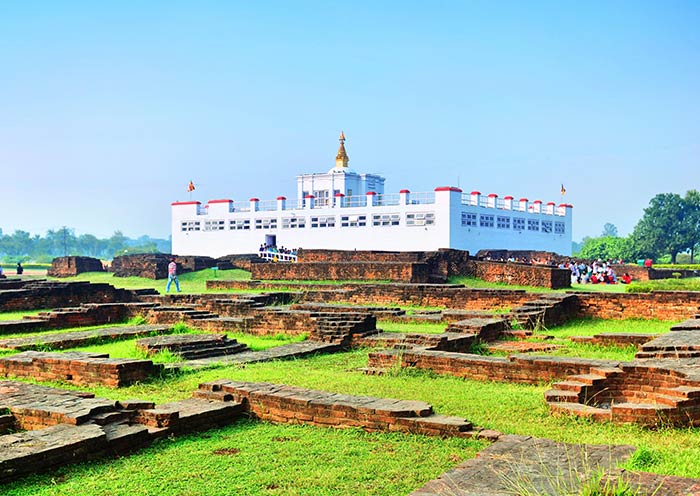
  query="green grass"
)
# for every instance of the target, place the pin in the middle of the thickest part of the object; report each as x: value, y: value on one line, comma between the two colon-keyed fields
x: 19, y: 315
x: 590, y: 327
x: 510, y: 408
x: 689, y: 284
x: 411, y: 327
x: 261, y: 458
x: 190, y: 282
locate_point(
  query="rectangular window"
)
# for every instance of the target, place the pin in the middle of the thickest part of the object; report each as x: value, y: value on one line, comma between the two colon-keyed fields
x: 420, y: 219
x: 190, y: 225
x: 559, y: 228
x: 386, y: 220
x: 546, y: 226
x: 518, y: 223
x: 353, y: 221
x: 533, y: 225
x: 214, y: 225
x: 239, y: 224
x: 293, y: 222
x: 468, y: 219
x: 266, y: 223
x: 324, y: 221
x: 485, y: 220
x: 503, y: 222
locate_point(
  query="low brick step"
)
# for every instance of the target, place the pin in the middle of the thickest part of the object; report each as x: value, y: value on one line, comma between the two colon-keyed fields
x: 639, y: 408
x: 682, y: 392
x: 672, y: 401
x: 124, y: 438
x: 214, y: 351
x: 581, y: 410
x: 605, y: 371
x: 561, y: 396
x: 668, y: 354
x: 110, y: 417
x: 517, y: 333
x: 688, y: 325
x: 576, y: 386
x: 587, y: 379
x: 436, y: 424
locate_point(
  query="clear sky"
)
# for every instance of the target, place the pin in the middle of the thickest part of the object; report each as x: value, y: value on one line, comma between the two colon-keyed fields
x: 109, y: 109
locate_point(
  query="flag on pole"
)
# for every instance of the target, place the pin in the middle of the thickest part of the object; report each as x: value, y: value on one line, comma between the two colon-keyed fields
x: 563, y: 190
x: 190, y: 188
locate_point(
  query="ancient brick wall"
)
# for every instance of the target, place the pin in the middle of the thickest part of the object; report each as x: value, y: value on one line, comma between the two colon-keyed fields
x: 388, y: 271
x: 77, y: 368
x: 521, y: 274
x: 42, y: 294
x: 515, y: 368
x: 155, y: 265
x: 662, y: 305
x: 72, y: 266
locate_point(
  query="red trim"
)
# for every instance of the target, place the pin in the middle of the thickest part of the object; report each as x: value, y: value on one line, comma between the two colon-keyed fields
x: 507, y: 197
x: 476, y: 192
x: 177, y: 204
x: 339, y: 195
x: 281, y: 197
x: 255, y: 199
x: 537, y: 201
x: 309, y: 196
x: 448, y: 188
x: 523, y: 199
x: 493, y: 195
x: 219, y: 201
x: 371, y: 193
x: 551, y: 203
x: 404, y: 191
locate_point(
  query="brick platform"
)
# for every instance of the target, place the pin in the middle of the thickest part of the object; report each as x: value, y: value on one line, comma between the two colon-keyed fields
x: 72, y: 266
x: 290, y: 404
x: 77, y: 368
x: 192, y: 346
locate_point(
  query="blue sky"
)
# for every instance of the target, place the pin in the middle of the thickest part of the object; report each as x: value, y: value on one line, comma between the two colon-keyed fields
x: 109, y: 109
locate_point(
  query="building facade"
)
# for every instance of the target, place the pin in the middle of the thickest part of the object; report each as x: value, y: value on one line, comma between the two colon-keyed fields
x: 344, y: 210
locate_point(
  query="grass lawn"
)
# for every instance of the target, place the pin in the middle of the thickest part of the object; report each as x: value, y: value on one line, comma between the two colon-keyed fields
x: 590, y: 327
x: 689, y: 284
x: 511, y: 408
x: 19, y: 315
x: 190, y: 282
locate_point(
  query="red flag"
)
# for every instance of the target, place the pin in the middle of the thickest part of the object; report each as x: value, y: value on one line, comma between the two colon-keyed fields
x: 190, y: 188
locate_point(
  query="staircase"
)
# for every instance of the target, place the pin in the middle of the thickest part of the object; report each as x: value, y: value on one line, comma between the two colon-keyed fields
x: 192, y: 346
x: 339, y: 328
x: 547, y: 310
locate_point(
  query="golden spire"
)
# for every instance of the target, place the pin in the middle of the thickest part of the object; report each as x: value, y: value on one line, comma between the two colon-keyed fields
x: 341, y: 160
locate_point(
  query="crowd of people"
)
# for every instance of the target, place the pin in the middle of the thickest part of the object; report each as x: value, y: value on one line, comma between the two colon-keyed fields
x: 598, y: 272
x: 277, y: 254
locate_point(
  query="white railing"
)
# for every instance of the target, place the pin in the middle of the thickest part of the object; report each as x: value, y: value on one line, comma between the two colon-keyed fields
x: 388, y: 200
x: 267, y: 205
x: 421, y: 198
x: 354, y: 201
x: 275, y: 256
x: 240, y: 206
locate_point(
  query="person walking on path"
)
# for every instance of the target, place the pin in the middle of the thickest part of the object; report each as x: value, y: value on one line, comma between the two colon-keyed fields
x: 172, y: 276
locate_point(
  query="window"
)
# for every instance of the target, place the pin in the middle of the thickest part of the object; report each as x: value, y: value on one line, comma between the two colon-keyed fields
x: 293, y: 222
x: 353, y: 221
x: 546, y: 226
x: 321, y: 197
x: 325, y: 221
x: 503, y: 222
x: 386, y: 220
x: 518, y: 223
x: 266, y: 223
x: 190, y: 225
x: 559, y: 228
x: 420, y: 219
x: 239, y: 224
x: 468, y: 219
x: 533, y: 225
x: 486, y: 220
x: 214, y: 225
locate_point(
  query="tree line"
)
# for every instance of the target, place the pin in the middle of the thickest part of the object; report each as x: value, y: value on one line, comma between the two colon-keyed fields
x: 21, y: 246
x: 669, y: 226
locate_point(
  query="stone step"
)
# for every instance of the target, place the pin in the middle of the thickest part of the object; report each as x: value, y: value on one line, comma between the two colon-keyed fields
x: 668, y: 354
x: 682, y: 392
x: 561, y: 396
x: 214, y: 351
x: 587, y: 379
x: 639, y: 408
x: 581, y: 410
x: 110, y: 417
x: 575, y: 386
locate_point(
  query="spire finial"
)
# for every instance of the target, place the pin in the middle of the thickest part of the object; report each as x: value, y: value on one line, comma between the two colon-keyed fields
x: 341, y: 160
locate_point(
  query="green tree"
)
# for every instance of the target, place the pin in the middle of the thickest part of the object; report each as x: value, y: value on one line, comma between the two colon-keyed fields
x: 609, y: 230
x: 664, y: 227
x: 606, y: 248
x: 692, y: 202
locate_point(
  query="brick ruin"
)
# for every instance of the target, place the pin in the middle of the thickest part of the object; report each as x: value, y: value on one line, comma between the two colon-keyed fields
x: 155, y: 265
x: 660, y: 387
x: 408, y: 267
x: 72, y: 266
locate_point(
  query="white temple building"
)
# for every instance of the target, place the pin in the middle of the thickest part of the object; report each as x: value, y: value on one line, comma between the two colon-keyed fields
x: 345, y: 210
